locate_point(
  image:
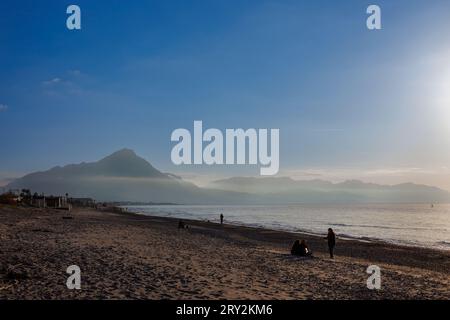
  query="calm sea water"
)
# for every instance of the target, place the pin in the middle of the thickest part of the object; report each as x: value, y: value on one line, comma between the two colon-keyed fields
x: 410, y: 224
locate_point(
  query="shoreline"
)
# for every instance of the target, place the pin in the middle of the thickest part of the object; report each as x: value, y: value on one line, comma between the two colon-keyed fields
x: 131, y: 256
x: 345, y: 237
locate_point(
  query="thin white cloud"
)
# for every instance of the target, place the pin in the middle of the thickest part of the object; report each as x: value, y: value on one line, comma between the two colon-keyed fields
x: 52, y: 81
x: 65, y: 79
x: 67, y: 84
x: 3, y: 107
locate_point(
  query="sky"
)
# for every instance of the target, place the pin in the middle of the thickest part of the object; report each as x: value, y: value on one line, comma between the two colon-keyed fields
x: 350, y: 103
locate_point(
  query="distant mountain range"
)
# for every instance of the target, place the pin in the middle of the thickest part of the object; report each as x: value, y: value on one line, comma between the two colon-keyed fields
x: 288, y: 190
x: 124, y: 176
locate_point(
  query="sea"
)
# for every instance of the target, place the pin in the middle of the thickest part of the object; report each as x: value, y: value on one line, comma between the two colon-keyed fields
x: 423, y: 225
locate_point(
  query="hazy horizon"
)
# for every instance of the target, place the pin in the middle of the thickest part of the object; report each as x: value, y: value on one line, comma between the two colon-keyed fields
x: 206, y: 180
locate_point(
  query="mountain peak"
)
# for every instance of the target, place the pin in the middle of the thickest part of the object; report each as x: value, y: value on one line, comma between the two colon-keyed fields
x: 123, y: 153
x: 127, y: 163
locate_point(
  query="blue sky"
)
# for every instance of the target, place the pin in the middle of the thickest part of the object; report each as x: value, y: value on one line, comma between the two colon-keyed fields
x: 349, y: 102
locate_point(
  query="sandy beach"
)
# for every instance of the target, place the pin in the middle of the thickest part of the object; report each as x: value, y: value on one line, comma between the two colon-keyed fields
x: 127, y: 256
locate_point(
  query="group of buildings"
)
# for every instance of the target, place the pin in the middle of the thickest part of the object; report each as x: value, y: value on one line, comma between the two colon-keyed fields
x: 24, y: 197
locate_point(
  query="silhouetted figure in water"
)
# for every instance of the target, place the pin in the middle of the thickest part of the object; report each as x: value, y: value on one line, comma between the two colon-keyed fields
x: 221, y: 218
x: 300, y: 249
x: 331, y: 237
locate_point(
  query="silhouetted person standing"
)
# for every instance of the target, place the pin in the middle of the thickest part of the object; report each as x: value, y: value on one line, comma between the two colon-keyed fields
x: 221, y: 218
x: 331, y: 237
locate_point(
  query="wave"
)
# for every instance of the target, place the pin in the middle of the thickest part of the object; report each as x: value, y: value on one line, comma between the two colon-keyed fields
x: 386, y: 227
x: 443, y: 243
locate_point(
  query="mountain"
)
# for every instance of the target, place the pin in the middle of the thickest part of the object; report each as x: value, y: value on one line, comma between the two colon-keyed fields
x: 287, y: 190
x: 123, y: 163
x: 124, y: 176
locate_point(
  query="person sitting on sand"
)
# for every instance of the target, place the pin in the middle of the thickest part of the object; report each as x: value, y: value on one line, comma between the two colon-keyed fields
x: 181, y: 224
x: 300, y: 249
x: 331, y: 237
x: 304, y: 249
x: 295, y: 248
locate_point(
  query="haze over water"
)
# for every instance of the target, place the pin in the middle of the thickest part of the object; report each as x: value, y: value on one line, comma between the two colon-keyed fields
x: 410, y: 224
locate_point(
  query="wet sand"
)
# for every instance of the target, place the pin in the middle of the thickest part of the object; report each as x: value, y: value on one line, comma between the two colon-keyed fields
x: 127, y: 256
